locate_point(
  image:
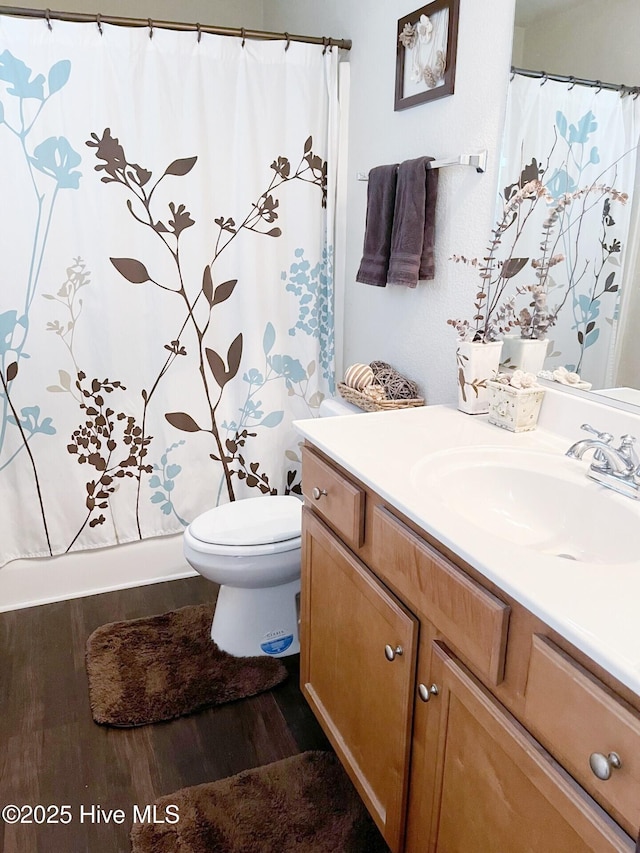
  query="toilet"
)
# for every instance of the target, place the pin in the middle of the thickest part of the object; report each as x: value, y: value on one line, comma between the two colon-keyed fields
x: 251, y: 548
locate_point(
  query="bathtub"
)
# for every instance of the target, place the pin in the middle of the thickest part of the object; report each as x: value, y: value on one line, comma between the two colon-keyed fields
x: 24, y: 583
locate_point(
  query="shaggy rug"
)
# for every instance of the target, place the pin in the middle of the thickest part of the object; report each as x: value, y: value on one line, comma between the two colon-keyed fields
x: 303, y: 804
x: 160, y: 667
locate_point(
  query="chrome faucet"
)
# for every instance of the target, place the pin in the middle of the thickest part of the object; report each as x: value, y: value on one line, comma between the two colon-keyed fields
x: 616, y: 468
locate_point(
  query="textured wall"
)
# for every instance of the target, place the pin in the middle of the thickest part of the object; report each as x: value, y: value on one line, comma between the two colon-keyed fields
x: 224, y: 13
x: 405, y: 327
x: 595, y: 40
x: 408, y: 327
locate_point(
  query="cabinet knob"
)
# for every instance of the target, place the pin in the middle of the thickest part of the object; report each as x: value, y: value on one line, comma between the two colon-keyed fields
x: 425, y: 693
x: 390, y: 653
x: 602, y: 765
x: 318, y: 493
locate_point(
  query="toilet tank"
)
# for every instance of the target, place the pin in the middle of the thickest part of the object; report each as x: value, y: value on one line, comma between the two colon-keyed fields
x: 332, y: 406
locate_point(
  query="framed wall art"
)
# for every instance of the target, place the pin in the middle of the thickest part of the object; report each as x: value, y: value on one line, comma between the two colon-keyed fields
x: 426, y: 53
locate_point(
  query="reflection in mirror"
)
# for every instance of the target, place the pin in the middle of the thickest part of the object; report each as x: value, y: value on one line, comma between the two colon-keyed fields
x: 589, y: 138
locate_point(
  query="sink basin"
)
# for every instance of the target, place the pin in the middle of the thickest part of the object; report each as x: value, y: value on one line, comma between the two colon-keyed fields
x: 534, y: 500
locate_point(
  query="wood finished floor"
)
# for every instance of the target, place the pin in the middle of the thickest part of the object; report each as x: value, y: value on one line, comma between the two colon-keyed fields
x: 51, y: 751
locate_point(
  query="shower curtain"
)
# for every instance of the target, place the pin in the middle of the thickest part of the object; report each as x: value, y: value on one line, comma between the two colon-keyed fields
x: 166, y: 304
x: 581, y: 143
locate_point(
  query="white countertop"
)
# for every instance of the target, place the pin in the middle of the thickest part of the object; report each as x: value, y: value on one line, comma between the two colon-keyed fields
x: 593, y: 605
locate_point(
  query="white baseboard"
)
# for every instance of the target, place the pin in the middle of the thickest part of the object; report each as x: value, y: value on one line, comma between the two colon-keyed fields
x: 25, y: 583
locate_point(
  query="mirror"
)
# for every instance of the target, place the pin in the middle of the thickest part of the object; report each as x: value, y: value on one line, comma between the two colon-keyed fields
x: 592, y: 41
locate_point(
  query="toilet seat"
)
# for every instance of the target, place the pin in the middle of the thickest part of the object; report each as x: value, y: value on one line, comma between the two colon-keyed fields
x: 216, y: 549
x: 249, y: 527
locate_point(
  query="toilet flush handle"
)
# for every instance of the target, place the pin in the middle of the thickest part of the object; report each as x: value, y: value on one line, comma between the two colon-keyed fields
x: 318, y: 493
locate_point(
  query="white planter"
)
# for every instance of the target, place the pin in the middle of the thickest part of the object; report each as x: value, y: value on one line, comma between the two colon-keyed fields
x: 526, y: 354
x: 515, y: 409
x: 477, y: 364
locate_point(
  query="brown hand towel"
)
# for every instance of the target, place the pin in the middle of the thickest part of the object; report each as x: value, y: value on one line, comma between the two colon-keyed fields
x: 427, y: 271
x: 412, y: 239
x: 381, y: 195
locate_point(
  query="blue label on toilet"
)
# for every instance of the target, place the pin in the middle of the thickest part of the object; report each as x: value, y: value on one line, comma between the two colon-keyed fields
x: 276, y: 647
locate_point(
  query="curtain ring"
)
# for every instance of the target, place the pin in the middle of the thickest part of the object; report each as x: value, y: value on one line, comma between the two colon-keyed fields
x: 199, y: 31
x: 545, y: 77
x: 150, y: 24
x: 47, y: 15
x: 99, y: 23
x: 325, y: 42
x: 636, y: 91
x: 572, y: 80
x: 599, y: 89
x: 242, y: 33
x: 288, y: 44
x: 513, y: 75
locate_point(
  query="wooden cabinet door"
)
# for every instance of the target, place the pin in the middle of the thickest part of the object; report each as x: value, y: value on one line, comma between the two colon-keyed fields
x: 496, y: 789
x: 363, y: 700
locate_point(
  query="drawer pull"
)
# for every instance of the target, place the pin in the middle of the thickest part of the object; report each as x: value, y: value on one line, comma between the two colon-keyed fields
x: 425, y: 693
x: 390, y: 653
x: 602, y: 765
x: 318, y: 493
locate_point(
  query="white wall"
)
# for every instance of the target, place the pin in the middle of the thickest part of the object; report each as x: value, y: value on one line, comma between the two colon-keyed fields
x: 517, y: 53
x: 223, y: 13
x: 408, y: 328
x: 595, y: 40
x: 404, y: 327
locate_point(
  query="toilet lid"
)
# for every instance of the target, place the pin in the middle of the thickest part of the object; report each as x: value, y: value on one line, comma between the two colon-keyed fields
x: 253, y: 521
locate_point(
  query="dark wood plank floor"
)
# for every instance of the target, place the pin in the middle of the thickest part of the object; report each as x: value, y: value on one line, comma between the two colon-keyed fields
x: 52, y: 753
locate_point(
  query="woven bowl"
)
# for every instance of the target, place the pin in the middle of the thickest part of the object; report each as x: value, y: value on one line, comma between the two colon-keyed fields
x: 368, y: 405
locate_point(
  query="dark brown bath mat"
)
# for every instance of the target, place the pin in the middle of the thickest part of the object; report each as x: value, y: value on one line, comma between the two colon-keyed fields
x: 161, y: 667
x: 303, y: 804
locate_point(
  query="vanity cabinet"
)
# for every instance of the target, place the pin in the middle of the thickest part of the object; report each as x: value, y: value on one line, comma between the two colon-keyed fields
x: 463, y: 721
x: 493, y: 786
x: 358, y: 672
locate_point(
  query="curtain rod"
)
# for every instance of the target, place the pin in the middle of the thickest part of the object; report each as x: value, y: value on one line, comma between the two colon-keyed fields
x: 576, y: 81
x: 81, y: 17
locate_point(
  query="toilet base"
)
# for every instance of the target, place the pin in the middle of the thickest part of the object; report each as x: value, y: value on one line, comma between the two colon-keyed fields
x: 249, y: 622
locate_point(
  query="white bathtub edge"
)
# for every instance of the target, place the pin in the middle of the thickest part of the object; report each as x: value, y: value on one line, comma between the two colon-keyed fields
x: 27, y: 583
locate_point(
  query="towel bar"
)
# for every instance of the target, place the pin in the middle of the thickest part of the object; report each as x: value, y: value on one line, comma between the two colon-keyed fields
x: 478, y: 161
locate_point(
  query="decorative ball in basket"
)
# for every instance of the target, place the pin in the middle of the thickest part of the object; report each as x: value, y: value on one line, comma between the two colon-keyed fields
x: 377, y: 387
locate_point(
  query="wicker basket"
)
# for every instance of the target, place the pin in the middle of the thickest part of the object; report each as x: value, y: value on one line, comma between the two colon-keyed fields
x: 351, y: 395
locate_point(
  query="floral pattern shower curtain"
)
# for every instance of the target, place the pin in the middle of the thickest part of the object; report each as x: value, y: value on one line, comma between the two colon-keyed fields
x: 580, y: 143
x: 166, y: 303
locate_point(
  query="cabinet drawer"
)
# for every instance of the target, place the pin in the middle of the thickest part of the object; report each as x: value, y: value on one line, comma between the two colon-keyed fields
x: 334, y: 497
x: 474, y: 621
x: 575, y: 715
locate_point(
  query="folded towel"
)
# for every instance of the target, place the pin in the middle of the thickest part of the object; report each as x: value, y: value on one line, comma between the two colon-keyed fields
x: 381, y: 194
x: 427, y: 271
x: 413, y: 234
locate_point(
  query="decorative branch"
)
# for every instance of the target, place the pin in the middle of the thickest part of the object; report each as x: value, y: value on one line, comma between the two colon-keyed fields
x: 262, y: 214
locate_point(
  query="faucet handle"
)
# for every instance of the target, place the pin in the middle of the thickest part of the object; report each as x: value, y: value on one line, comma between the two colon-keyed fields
x: 605, y: 437
x: 627, y: 449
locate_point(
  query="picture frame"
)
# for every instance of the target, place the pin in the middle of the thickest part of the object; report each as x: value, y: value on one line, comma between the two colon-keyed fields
x: 426, y: 44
